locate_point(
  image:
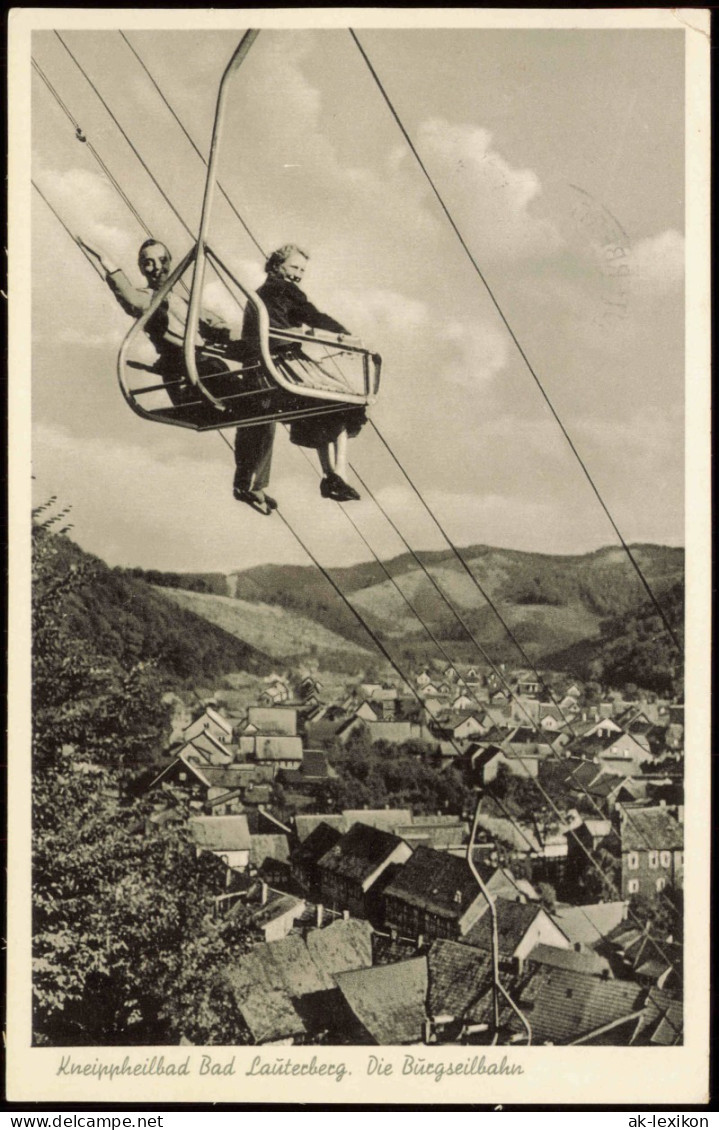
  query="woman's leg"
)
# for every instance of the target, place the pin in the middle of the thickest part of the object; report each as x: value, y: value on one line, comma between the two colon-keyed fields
x: 325, y: 456
x: 340, y: 455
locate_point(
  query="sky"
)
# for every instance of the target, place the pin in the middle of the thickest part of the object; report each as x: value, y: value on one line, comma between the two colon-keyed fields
x: 560, y: 155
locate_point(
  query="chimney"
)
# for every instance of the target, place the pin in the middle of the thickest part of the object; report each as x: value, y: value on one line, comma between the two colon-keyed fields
x: 263, y: 895
x: 320, y: 914
x: 345, y: 915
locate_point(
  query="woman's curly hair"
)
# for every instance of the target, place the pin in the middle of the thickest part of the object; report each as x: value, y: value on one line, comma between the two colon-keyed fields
x: 281, y: 255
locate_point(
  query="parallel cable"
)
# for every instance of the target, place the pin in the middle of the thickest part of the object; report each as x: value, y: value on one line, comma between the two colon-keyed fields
x: 568, y: 727
x: 533, y: 723
x: 191, y: 141
x: 62, y: 223
x: 79, y: 133
x: 132, y: 145
x: 354, y: 611
x: 514, y: 338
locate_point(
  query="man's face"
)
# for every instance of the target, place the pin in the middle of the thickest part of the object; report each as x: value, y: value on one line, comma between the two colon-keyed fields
x: 155, y: 264
x: 293, y: 268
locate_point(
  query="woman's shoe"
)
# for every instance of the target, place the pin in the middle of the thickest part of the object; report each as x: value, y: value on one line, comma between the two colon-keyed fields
x: 334, y: 487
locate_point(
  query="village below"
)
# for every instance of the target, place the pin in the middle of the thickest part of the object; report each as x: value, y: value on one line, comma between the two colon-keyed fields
x: 232, y: 847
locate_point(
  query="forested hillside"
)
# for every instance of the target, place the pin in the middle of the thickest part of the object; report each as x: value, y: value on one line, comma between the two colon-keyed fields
x: 123, y: 617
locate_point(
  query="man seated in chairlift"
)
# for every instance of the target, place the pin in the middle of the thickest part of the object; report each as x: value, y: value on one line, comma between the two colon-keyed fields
x: 166, y: 327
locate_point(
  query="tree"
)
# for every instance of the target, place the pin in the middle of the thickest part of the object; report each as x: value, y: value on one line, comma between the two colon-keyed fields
x: 126, y: 946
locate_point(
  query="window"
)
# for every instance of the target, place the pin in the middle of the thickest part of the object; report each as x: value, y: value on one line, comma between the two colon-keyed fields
x: 632, y: 861
x: 666, y: 859
x: 633, y: 886
x: 661, y: 884
x: 653, y: 859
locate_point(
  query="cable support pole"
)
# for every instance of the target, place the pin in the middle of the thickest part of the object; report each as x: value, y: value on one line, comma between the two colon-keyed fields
x: 485, y: 655
x: 518, y: 345
x: 191, y: 140
x: 198, y: 274
x: 139, y: 219
x: 597, y: 867
x: 499, y: 616
x: 378, y: 643
x: 380, y: 646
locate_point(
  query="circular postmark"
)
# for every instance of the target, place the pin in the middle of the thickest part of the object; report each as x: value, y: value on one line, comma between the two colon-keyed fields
x: 611, y: 247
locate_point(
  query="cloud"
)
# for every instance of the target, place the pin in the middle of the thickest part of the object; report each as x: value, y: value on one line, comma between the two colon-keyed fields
x: 70, y: 336
x: 88, y: 204
x: 657, y: 263
x: 377, y: 310
x: 474, y: 352
x: 493, y: 199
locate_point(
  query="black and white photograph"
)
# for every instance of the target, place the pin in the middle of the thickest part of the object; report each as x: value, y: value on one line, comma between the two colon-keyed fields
x: 359, y: 713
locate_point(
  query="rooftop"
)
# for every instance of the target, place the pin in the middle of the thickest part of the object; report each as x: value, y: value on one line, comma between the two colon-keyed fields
x: 220, y: 833
x: 388, y: 1000
x: 650, y: 828
x: 434, y: 879
x: 359, y: 852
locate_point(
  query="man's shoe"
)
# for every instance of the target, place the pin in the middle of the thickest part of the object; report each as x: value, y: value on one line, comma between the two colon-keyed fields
x: 257, y: 499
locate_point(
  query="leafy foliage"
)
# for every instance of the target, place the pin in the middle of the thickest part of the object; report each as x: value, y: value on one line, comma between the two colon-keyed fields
x: 126, y: 947
x: 402, y: 776
x: 126, y: 620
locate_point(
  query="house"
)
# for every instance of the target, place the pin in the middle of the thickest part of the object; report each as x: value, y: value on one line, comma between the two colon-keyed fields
x: 185, y: 771
x: 385, y: 1005
x: 211, y: 722
x: 349, y: 870
x: 662, y: 1022
x: 273, y: 720
x: 458, y: 726
x: 286, y: 990
x: 567, y: 1007
x: 283, y: 752
x: 314, y: 769
x: 307, y: 854
x: 652, y: 850
x: 216, y: 752
x: 581, y: 961
x: 652, y: 960
x: 435, y: 895
x: 587, y: 926
x: 227, y: 837
x: 463, y: 703
x: 277, y: 914
x: 527, y: 683
x: 269, y: 854
x: 619, y: 753
x: 485, y: 762
x: 520, y: 927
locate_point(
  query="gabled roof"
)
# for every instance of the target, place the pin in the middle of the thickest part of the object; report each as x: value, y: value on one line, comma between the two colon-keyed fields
x: 305, y: 825
x: 388, y: 1000
x: 310, y: 850
x: 270, y: 1015
x: 272, y: 846
x: 645, y: 829
x: 566, y: 1007
x: 513, y: 921
x: 218, y: 720
x: 591, y: 923
x: 459, y: 979
x: 359, y: 853
x: 589, y: 963
x: 433, y: 880
x: 277, y: 905
x: 220, y: 833
x: 346, y: 944
x: 662, y: 1023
